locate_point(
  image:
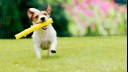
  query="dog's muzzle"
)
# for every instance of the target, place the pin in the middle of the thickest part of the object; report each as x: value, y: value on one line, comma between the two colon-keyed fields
x: 44, y: 28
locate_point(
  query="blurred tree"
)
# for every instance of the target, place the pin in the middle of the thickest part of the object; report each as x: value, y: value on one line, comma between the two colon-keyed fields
x: 9, y: 19
x: 13, y: 18
x: 23, y: 6
x: 121, y: 1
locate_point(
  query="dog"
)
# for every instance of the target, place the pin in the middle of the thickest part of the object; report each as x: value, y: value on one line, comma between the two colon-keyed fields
x: 44, y: 38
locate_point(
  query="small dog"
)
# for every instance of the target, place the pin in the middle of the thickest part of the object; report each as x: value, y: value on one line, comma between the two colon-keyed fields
x: 44, y: 38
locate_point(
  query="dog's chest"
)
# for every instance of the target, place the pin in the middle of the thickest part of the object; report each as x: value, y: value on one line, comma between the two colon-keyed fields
x: 41, y: 36
x: 44, y: 35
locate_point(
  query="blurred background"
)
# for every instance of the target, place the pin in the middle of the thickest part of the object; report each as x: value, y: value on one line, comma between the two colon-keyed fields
x: 71, y: 17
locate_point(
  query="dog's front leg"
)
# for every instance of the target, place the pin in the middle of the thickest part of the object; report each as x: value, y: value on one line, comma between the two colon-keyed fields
x: 37, y: 50
x: 53, y: 46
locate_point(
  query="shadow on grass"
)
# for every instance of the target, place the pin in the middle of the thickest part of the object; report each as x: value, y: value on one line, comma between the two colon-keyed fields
x: 50, y: 57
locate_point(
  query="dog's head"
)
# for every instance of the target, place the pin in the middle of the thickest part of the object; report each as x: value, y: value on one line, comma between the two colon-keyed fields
x: 38, y: 16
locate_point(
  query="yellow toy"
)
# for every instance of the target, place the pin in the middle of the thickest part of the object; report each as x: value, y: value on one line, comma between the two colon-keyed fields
x: 33, y: 28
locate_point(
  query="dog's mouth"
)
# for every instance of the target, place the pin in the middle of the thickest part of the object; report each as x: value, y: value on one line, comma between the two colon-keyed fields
x: 44, y: 27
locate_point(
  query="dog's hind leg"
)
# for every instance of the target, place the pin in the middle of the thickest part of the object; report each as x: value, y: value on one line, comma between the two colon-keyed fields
x: 49, y: 52
x: 37, y: 50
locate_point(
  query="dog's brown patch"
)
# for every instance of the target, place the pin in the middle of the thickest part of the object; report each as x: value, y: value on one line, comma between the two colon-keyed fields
x: 35, y: 16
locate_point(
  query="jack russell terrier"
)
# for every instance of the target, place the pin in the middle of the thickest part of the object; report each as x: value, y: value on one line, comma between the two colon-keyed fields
x: 44, y: 38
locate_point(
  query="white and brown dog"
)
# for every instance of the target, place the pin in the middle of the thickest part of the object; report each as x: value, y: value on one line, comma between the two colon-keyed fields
x: 44, y: 38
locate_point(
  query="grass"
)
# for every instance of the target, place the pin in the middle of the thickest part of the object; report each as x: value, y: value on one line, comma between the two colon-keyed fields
x: 74, y: 54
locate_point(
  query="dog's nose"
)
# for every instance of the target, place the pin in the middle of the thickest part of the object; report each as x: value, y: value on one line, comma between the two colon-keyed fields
x: 43, y: 18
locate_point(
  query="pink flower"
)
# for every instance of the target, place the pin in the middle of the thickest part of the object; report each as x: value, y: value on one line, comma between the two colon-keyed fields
x: 76, y: 19
x: 104, y: 8
x: 64, y: 5
x: 92, y: 26
x: 86, y: 2
x: 113, y: 1
x: 89, y: 13
x: 76, y: 1
x: 122, y: 9
x: 73, y: 13
x: 81, y: 6
x: 83, y: 24
x: 93, y: 2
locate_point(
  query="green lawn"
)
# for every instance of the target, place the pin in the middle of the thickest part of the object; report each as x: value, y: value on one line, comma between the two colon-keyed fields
x: 74, y: 54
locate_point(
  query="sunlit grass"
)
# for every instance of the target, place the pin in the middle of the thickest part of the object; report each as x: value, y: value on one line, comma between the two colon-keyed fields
x: 74, y: 54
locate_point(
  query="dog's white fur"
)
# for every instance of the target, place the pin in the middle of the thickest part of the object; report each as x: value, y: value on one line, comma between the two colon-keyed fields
x: 43, y: 39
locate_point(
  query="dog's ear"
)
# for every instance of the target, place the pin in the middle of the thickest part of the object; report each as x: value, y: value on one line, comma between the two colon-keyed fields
x: 48, y: 9
x: 31, y: 12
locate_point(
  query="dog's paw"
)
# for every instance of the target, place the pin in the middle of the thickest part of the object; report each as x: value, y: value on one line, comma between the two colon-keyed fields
x: 53, y: 51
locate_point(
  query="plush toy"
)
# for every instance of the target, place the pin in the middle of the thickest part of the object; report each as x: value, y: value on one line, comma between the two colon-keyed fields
x: 33, y: 28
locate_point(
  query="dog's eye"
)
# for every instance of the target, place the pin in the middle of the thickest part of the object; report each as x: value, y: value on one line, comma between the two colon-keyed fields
x: 45, y: 13
x: 36, y: 16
